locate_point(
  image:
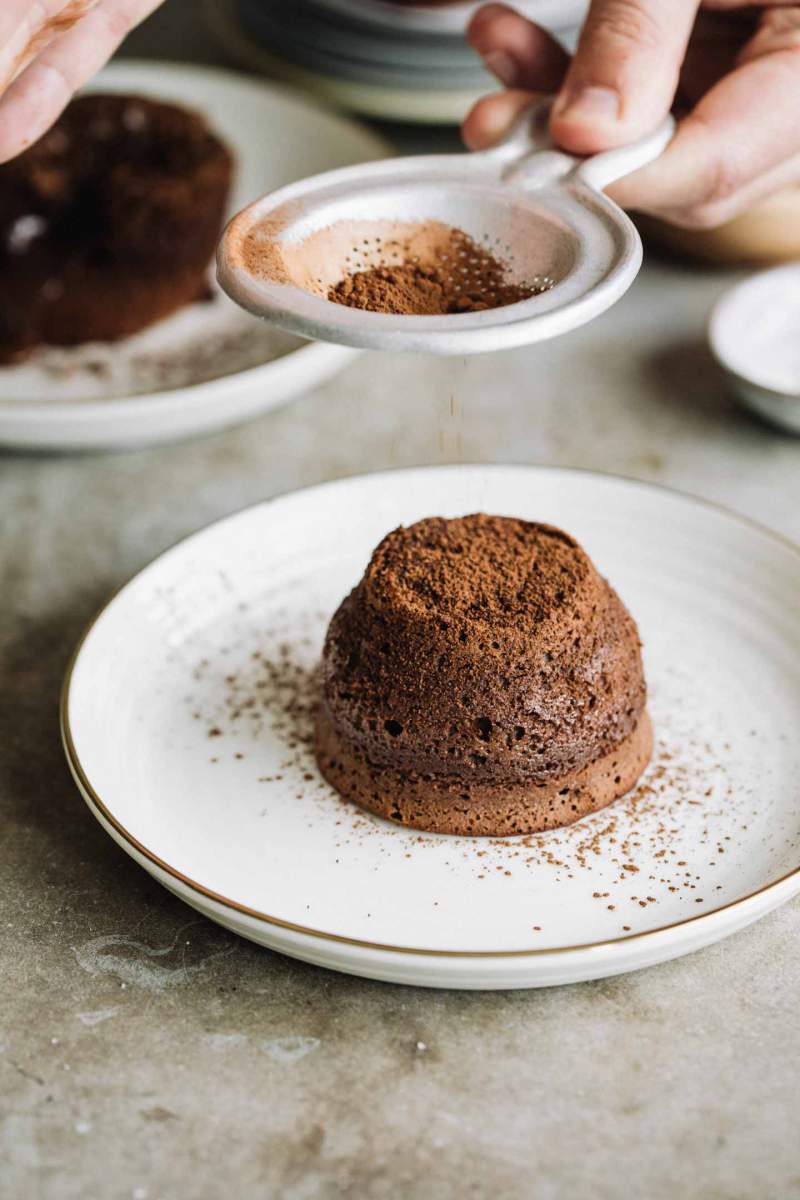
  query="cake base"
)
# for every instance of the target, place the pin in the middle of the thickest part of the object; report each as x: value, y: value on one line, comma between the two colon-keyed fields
x: 113, y: 304
x: 451, y: 805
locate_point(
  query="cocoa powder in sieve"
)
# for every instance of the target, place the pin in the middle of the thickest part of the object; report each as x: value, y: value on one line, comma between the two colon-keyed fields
x: 459, y: 276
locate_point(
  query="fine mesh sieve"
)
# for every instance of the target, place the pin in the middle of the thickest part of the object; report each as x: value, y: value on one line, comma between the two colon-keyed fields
x: 541, y: 211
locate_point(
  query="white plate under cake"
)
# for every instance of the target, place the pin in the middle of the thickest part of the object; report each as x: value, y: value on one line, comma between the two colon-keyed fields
x: 188, y: 720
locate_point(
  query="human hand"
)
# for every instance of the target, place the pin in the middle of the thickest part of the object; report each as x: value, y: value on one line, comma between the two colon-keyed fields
x: 48, y: 49
x: 732, y: 69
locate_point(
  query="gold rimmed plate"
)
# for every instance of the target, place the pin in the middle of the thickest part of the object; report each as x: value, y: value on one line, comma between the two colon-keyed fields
x: 187, y: 710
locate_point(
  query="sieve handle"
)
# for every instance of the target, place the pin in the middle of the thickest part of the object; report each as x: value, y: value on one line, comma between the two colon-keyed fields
x: 600, y: 170
x: 529, y: 158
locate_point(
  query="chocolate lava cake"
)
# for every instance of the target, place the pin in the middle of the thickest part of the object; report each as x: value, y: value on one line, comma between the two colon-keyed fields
x: 482, y: 678
x: 108, y: 222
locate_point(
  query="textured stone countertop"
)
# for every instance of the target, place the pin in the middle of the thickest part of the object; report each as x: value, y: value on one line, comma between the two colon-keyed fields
x: 160, y: 1070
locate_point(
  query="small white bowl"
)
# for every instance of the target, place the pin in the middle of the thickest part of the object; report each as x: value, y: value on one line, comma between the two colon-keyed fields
x: 754, y: 333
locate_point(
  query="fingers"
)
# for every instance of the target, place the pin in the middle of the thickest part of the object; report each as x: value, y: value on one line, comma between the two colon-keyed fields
x: 35, y: 99
x: 26, y: 28
x: 517, y: 52
x: 725, y: 155
x: 522, y: 56
x: 625, y: 72
x: 777, y: 30
x: 491, y: 118
x: 621, y: 82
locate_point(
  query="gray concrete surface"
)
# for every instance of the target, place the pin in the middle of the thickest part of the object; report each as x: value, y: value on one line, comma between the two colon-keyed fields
x: 176, y: 1062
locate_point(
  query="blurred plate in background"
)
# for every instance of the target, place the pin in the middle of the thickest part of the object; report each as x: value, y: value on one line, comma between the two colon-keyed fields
x: 211, y: 364
x: 392, y: 61
x: 450, y: 16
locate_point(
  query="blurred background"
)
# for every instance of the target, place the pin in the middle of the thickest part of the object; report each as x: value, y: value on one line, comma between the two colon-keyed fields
x: 396, y: 61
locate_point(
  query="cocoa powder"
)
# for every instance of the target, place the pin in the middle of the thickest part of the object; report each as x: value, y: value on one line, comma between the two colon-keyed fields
x: 458, y: 276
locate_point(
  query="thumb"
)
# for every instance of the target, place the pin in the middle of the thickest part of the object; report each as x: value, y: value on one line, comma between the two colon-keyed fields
x: 624, y: 75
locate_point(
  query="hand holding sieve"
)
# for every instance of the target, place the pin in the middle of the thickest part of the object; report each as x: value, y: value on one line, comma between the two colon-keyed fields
x: 543, y: 212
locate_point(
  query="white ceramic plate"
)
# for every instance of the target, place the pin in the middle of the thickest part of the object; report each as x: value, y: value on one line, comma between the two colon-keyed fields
x: 186, y: 714
x: 210, y: 365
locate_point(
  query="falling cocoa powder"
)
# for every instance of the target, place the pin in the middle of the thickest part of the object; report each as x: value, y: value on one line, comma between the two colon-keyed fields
x: 460, y: 276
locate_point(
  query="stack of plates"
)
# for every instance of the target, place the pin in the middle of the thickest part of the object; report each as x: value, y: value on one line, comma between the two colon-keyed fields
x: 399, y: 61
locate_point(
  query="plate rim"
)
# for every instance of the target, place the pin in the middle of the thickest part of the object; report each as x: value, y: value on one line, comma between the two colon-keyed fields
x: 311, y: 354
x: 128, y: 842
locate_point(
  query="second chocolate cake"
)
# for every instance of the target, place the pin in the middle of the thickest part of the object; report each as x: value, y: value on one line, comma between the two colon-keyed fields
x: 482, y: 678
x: 108, y: 223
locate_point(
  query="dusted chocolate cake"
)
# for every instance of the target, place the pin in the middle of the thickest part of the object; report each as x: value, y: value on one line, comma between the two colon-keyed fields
x: 482, y: 678
x: 108, y: 222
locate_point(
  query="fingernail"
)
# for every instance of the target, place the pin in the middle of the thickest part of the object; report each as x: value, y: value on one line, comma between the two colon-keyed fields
x: 503, y: 66
x: 589, y: 104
